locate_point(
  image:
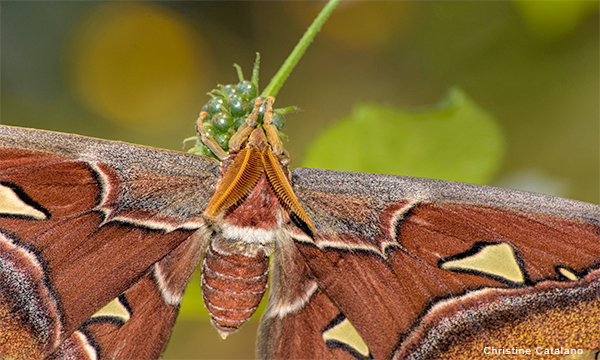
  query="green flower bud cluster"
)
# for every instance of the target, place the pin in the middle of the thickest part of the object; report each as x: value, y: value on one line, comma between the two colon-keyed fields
x: 228, y: 109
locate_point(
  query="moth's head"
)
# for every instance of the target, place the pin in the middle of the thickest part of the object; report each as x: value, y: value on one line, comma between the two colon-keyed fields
x: 258, y: 139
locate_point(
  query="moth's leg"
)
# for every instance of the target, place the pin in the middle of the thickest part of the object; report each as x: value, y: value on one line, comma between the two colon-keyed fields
x: 285, y: 158
x: 242, y: 134
x: 207, y: 140
x: 273, y: 134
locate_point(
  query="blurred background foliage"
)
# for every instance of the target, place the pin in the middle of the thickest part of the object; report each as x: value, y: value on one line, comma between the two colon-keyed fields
x: 527, y: 114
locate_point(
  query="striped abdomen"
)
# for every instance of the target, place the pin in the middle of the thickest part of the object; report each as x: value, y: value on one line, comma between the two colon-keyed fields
x: 234, y: 279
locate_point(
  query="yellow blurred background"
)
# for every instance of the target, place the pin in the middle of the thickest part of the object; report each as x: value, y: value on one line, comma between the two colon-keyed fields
x: 139, y: 72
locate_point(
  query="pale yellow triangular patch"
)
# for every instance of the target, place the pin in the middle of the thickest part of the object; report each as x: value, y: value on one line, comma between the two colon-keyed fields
x: 114, y: 309
x: 11, y: 204
x: 568, y: 274
x: 496, y: 259
x: 345, y: 333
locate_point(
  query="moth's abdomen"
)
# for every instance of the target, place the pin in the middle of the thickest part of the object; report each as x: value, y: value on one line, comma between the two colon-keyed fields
x: 234, y: 279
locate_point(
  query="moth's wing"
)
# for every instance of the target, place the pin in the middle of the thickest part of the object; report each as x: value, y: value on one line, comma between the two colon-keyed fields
x: 432, y: 269
x: 138, y: 323
x: 300, y: 321
x: 81, y: 221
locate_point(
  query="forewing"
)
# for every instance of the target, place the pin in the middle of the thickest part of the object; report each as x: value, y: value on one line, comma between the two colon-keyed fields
x: 401, y: 257
x: 82, y: 220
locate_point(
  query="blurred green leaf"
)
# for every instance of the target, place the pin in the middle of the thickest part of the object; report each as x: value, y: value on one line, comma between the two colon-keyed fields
x: 453, y: 140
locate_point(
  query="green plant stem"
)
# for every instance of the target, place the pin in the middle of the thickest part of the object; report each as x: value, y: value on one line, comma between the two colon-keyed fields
x: 277, y: 81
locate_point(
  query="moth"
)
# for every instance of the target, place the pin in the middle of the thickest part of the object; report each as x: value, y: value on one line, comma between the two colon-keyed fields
x: 99, y: 239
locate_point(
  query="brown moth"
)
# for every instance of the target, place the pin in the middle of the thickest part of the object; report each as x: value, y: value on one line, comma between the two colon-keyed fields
x: 98, y: 237
x: 98, y: 240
